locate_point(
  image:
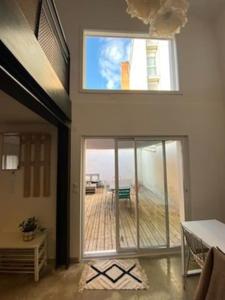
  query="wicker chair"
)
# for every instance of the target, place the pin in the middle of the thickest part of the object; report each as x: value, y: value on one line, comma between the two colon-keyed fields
x: 196, y: 249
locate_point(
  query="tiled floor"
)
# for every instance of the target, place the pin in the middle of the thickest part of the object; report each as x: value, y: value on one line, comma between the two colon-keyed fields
x: 163, y: 273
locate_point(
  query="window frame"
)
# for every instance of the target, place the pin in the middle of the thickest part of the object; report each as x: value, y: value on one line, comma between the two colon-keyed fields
x: 174, y: 70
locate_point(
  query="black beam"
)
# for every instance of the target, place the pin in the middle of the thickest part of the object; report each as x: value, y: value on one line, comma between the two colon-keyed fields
x: 63, y: 198
x: 25, y: 53
x: 12, y: 87
x: 19, y: 73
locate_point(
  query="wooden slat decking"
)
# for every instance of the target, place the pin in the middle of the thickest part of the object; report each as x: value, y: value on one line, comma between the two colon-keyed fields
x: 100, y: 228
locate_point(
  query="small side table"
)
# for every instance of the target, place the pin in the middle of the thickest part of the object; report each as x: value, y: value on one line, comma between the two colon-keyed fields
x: 18, y: 256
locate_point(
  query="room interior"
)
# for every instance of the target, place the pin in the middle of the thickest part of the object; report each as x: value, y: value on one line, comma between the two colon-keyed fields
x: 125, y: 181
x: 20, y: 121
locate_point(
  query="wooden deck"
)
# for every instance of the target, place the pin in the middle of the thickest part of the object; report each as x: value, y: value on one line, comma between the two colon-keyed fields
x: 100, y: 222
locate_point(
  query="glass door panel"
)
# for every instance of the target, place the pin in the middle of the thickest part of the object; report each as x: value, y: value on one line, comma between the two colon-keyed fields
x: 126, y: 195
x: 99, y: 203
x: 175, y: 189
x: 151, y: 194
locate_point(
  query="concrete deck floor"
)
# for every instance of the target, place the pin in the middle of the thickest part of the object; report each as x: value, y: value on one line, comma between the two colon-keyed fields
x: 163, y: 273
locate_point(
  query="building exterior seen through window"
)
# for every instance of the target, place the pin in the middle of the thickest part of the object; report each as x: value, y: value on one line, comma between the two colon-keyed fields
x: 123, y: 63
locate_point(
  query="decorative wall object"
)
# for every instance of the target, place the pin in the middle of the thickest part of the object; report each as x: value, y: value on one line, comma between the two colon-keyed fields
x: 35, y: 158
x: 10, y: 156
x: 165, y: 17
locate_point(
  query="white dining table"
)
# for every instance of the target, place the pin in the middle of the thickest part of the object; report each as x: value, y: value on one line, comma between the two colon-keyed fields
x: 211, y: 232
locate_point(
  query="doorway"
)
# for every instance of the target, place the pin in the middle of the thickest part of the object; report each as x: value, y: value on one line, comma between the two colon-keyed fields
x: 133, y: 198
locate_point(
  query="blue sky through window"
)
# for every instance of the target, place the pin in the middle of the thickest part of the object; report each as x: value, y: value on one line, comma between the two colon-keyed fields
x: 103, y: 61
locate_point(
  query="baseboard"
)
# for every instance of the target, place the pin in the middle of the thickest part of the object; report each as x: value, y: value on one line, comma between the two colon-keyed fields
x: 74, y: 260
x: 158, y: 253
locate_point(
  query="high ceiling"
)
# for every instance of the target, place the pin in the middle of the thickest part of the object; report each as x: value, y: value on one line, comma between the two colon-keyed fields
x: 207, y: 8
x: 13, y: 112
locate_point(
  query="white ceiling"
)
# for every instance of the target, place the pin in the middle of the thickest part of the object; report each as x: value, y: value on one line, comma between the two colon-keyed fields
x: 14, y: 112
x: 207, y: 8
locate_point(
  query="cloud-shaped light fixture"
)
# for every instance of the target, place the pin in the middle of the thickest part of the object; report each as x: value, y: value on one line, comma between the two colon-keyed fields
x: 165, y: 17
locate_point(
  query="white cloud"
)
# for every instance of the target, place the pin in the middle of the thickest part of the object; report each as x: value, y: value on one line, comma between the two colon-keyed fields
x: 113, y: 52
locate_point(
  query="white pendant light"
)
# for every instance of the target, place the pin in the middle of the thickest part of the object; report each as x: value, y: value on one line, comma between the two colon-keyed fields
x: 143, y: 9
x: 165, y: 17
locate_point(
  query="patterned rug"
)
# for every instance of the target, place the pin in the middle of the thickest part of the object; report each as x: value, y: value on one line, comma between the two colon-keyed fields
x: 124, y: 274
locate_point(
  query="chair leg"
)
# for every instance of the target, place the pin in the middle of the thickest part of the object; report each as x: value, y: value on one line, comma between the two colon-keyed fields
x: 130, y: 203
x: 186, y: 269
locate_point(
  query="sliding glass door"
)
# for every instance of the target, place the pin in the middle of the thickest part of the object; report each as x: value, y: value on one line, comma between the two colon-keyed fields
x: 152, y: 194
x: 175, y: 191
x: 133, y: 195
x: 126, y: 195
x: 99, y: 217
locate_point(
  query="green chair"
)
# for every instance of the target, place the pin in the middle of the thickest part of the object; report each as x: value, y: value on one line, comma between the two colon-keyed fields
x: 124, y: 193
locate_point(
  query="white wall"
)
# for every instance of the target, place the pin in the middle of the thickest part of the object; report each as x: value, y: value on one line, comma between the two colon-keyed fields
x: 138, y: 65
x: 152, y: 170
x: 219, y: 30
x: 13, y: 206
x: 198, y: 112
x: 102, y: 162
x: 166, y: 66
x: 175, y: 175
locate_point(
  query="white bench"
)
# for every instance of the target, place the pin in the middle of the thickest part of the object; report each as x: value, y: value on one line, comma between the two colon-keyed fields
x: 18, y: 256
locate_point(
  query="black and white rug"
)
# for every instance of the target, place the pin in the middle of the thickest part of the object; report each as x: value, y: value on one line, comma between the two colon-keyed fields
x: 115, y: 274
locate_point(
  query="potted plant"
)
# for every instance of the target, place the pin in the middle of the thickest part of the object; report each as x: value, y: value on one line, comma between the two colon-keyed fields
x: 28, y: 228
